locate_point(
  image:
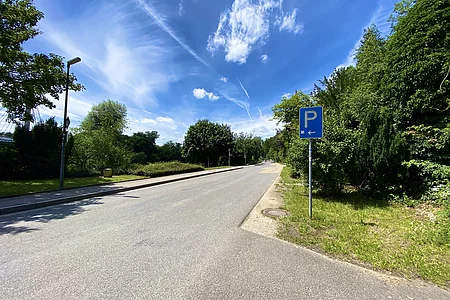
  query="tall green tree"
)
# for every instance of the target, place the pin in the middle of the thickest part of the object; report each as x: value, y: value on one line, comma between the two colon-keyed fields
x: 417, y: 60
x: 26, y: 79
x: 97, y: 142
x: 208, y: 143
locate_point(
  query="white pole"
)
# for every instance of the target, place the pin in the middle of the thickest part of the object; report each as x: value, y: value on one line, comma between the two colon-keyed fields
x: 310, y: 179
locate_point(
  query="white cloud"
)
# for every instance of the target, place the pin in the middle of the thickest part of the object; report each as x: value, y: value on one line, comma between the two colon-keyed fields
x: 148, y: 121
x: 286, y: 95
x: 263, y: 126
x: 264, y: 58
x: 246, y: 25
x: 180, y: 8
x: 289, y: 23
x: 224, y: 79
x: 201, y: 93
x: 165, y: 120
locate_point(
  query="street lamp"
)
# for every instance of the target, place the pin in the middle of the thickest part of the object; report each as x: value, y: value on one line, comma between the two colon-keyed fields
x: 66, y: 123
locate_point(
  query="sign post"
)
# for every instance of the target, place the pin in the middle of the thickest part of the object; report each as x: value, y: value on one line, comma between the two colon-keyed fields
x: 311, y: 127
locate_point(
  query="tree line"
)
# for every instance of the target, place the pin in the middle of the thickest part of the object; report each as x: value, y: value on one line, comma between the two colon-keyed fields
x: 99, y: 143
x: 386, y: 119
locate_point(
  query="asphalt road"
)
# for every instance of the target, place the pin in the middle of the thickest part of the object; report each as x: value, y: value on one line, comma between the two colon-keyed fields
x: 175, y: 241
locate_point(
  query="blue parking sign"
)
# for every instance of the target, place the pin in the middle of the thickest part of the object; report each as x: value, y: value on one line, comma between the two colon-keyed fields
x: 311, y: 122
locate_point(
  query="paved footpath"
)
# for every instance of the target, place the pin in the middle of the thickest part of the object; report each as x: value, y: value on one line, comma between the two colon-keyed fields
x: 38, y: 200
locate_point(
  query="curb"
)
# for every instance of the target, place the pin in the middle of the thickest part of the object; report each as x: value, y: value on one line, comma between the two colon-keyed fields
x: 24, y: 207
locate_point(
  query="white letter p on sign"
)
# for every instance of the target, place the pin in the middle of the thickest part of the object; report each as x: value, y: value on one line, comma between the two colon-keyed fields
x: 308, y: 118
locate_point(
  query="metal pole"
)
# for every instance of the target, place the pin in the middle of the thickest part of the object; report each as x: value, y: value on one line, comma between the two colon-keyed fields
x: 228, y: 157
x: 63, y: 142
x: 310, y: 179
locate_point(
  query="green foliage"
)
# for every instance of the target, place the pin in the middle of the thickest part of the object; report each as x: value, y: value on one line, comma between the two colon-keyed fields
x: 108, y: 116
x: 35, y: 153
x: 274, y: 148
x: 26, y: 79
x: 248, y: 145
x: 207, y: 143
x: 142, y: 142
x: 170, y: 151
x: 387, y: 121
x: 97, y: 143
x: 417, y: 60
x: 165, y: 168
x: 8, y: 161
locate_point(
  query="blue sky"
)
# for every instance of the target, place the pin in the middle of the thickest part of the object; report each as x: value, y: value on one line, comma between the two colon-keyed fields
x: 173, y: 62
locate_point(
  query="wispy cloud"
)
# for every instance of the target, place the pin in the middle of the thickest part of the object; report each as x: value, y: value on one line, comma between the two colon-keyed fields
x: 289, y: 23
x: 180, y: 8
x: 246, y: 26
x: 243, y: 88
x: 224, y: 79
x: 200, y: 93
x: 380, y: 19
x: 264, y: 58
x: 118, y: 54
x: 161, y: 22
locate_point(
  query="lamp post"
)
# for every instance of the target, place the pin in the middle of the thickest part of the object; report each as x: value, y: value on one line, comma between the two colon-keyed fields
x: 66, y: 122
x: 229, y: 154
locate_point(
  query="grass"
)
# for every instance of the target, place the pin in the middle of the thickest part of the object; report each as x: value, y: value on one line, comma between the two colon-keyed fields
x: 21, y: 187
x: 405, y: 241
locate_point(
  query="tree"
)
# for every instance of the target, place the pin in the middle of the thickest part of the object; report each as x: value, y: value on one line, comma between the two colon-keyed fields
x: 287, y: 113
x: 418, y: 60
x: 35, y: 153
x: 208, y: 143
x: 170, y: 151
x: 143, y: 142
x: 248, y: 145
x: 26, y: 79
x: 109, y: 116
x: 97, y: 142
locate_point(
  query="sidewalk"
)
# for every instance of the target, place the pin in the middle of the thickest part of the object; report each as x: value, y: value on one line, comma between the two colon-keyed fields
x: 38, y: 200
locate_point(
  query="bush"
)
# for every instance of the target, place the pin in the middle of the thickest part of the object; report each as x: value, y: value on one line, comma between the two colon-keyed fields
x: 165, y: 168
x: 333, y: 158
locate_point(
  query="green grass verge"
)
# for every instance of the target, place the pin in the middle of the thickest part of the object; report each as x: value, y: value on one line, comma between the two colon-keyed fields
x: 405, y: 241
x: 21, y: 187
x: 166, y: 168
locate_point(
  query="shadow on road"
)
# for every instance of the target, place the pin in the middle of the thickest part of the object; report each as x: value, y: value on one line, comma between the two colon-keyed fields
x: 20, y: 222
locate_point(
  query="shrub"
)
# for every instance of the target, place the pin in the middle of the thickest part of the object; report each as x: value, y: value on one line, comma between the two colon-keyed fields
x: 165, y: 168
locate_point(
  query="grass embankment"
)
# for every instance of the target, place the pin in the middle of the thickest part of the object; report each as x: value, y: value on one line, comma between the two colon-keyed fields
x: 21, y: 187
x: 406, y: 241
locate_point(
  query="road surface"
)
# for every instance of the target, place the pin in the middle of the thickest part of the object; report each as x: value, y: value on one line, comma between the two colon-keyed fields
x: 175, y: 241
